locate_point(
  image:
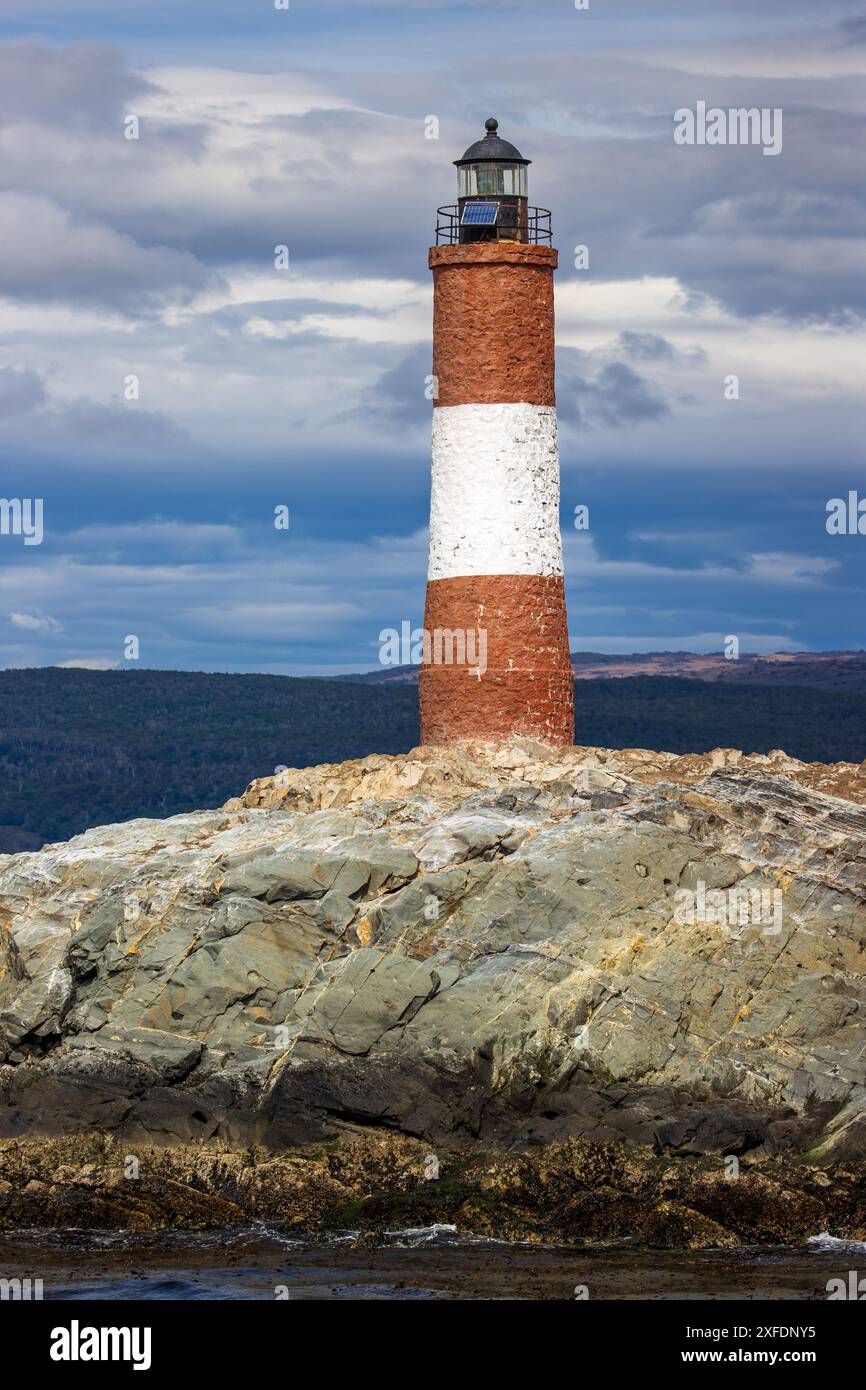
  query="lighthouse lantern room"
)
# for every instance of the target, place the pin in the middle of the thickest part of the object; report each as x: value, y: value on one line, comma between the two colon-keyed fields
x: 492, y: 197
x: 492, y: 189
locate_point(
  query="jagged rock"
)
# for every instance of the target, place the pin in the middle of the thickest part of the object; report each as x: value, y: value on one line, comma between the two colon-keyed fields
x: 171, y: 1056
x: 449, y: 774
x: 471, y: 943
x: 575, y: 1192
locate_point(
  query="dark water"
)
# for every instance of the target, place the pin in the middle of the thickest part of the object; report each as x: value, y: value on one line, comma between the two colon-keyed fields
x: 266, y: 1262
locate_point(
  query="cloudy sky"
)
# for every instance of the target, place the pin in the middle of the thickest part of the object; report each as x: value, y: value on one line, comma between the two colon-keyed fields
x: 304, y: 387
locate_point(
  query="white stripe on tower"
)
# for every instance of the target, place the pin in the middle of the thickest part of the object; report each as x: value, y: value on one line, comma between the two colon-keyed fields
x: 494, y: 503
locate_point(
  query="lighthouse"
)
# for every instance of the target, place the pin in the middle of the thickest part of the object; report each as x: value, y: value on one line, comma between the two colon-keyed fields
x: 495, y: 577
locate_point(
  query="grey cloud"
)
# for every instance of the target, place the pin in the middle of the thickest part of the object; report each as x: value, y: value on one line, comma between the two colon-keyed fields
x: 854, y: 30
x: 596, y: 393
x: 112, y: 426
x: 654, y: 347
x: 352, y: 211
x: 35, y: 417
x: 139, y: 204
x: 81, y: 85
x: 50, y: 253
x: 70, y: 175
x: 21, y: 390
x: 398, y: 397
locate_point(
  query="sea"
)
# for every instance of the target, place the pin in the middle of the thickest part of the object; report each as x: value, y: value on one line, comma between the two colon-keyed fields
x: 266, y: 1261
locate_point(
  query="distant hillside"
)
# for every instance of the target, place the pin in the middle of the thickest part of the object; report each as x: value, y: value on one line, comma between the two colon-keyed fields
x: 82, y: 748
x: 829, y: 670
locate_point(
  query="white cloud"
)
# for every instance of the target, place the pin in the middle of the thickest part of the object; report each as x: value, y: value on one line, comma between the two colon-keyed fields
x: 85, y: 663
x: 780, y: 568
x: 35, y: 622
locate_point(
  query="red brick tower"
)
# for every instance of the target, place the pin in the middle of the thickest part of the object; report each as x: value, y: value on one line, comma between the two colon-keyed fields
x: 495, y: 576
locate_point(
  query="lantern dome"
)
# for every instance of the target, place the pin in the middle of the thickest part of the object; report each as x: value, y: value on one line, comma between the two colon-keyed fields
x: 492, y: 149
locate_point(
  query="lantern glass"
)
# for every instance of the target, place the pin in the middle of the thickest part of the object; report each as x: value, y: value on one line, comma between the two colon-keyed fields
x: 492, y: 180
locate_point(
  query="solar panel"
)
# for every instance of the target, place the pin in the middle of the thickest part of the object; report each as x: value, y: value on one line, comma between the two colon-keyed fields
x: 480, y: 214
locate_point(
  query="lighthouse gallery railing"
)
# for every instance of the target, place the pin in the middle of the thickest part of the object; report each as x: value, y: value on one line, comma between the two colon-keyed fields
x: 535, y: 231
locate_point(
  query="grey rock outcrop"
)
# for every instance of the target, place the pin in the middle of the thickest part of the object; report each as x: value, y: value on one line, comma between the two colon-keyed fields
x: 506, y: 945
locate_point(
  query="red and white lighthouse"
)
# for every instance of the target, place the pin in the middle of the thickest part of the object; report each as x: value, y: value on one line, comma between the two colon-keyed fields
x: 495, y: 546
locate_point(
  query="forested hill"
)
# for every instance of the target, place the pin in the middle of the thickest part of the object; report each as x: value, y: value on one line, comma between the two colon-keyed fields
x: 82, y: 748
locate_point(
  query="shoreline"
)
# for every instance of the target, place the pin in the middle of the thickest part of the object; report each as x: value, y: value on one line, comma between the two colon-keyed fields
x: 575, y: 1193
x: 265, y: 1264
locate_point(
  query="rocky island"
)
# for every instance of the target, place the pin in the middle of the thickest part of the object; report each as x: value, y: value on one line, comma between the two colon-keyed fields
x: 544, y: 994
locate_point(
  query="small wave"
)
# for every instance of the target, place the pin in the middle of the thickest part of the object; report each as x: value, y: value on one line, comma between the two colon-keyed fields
x: 274, y: 1232
x: 826, y: 1242
x: 438, y: 1233
x: 447, y: 1235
